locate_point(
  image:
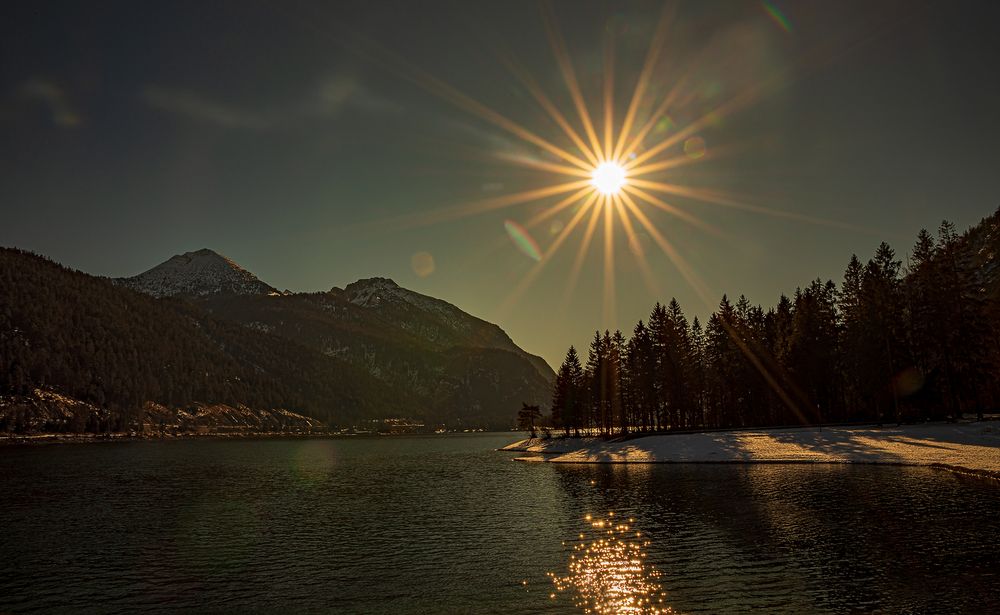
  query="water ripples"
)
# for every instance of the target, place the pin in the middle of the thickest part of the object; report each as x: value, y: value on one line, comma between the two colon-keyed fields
x: 447, y: 524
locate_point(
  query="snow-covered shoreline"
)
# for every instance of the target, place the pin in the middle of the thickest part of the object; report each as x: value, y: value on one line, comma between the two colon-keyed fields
x: 965, y: 447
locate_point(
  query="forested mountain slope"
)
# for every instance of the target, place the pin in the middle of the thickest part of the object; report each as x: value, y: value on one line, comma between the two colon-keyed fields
x: 468, y: 375
x: 210, y: 332
x: 115, y: 348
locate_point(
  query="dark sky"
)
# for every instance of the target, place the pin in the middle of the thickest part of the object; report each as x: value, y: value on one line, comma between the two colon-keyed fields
x: 300, y: 139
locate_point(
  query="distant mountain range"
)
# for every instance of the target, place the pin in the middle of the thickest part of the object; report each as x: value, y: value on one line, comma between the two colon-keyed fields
x: 199, y: 330
x: 369, y: 309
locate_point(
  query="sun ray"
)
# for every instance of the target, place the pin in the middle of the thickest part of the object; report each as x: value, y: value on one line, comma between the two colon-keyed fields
x: 679, y: 262
x: 671, y: 163
x: 541, y: 165
x: 654, y: 117
x: 652, y: 55
x: 485, y: 205
x: 713, y: 153
x: 587, y: 205
x: 609, y: 302
x: 672, y: 210
x: 609, y: 93
x: 734, y: 104
x: 504, y: 240
x: 758, y: 364
x: 635, y: 246
x: 529, y: 278
x: 546, y: 103
x: 457, y: 151
x: 719, y: 198
x: 581, y: 253
x: 414, y: 74
x: 473, y: 106
x: 549, y: 212
x: 569, y: 75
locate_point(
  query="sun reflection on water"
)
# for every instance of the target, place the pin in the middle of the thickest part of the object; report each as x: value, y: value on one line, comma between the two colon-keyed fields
x: 608, y: 573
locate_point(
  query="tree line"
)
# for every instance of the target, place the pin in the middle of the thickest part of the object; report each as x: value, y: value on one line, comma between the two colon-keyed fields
x: 890, y: 344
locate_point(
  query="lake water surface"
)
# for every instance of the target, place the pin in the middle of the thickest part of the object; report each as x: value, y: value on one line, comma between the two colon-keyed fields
x: 447, y: 524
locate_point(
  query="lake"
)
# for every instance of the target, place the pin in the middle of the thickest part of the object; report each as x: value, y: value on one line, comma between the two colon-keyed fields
x: 447, y: 524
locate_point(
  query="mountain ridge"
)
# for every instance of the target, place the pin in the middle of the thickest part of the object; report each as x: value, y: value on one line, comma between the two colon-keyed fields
x: 204, y: 274
x: 486, y: 334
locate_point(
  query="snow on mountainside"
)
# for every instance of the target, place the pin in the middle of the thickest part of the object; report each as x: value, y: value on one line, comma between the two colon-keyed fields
x: 380, y: 305
x: 433, y: 319
x: 378, y: 292
x: 196, y: 274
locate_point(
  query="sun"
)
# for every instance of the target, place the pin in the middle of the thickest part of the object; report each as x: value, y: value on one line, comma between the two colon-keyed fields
x: 610, y: 170
x: 608, y: 178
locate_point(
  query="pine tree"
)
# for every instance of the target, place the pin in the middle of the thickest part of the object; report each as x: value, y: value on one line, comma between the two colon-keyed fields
x: 659, y: 334
x: 882, y: 351
x: 641, y: 367
x: 567, y: 397
x: 575, y: 403
x: 697, y: 372
x: 853, y: 341
x: 594, y: 377
x: 679, y: 352
x: 961, y: 311
x: 722, y: 366
x: 813, y: 349
x: 560, y: 396
x: 620, y: 382
x: 922, y: 321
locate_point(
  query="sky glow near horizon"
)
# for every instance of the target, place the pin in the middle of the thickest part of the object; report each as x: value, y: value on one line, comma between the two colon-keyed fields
x: 315, y: 145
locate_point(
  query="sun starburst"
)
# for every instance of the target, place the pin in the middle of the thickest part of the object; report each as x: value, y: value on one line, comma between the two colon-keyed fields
x: 614, y: 170
x: 608, y: 178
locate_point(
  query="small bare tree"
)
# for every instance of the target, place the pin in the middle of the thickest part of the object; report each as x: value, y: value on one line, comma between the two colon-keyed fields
x: 526, y: 418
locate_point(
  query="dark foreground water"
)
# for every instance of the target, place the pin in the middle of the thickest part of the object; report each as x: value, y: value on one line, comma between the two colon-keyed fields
x: 448, y: 525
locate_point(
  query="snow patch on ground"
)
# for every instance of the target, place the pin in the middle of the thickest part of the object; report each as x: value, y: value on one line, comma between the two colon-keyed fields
x: 968, y: 446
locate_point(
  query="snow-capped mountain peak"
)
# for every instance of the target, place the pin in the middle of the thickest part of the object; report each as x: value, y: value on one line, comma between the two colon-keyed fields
x: 199, y: 273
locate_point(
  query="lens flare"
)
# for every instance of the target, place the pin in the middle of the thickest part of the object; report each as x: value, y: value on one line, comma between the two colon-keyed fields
x: 695, y: 147
x: 422, y: 264
x: 777, y: 16
x: 523, y: 240
x: 608, y: 178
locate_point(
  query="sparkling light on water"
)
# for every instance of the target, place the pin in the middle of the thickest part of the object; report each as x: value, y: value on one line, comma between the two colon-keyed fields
x: 608, y: 573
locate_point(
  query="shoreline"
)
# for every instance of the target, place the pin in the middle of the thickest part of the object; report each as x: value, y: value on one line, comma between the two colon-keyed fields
x: 963, y: 448
x: 57, y: 438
